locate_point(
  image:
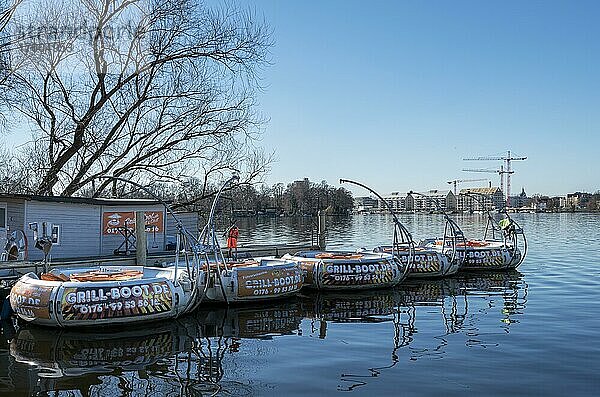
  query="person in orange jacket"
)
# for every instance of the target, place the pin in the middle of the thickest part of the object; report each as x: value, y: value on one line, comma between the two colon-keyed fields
x: 232, y: 238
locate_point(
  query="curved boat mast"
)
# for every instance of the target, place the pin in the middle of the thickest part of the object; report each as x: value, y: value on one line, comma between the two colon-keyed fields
x: 185, y: 239
x: 208, y: 245
x: 511, y: 234
x: 453, y: 234
x: 402, y: 237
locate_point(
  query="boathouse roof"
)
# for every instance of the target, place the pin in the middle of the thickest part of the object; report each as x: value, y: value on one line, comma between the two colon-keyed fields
x: 79, y: 200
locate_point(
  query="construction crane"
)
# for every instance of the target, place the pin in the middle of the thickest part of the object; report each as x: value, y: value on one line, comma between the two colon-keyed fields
x: 507, y: 161
x: 457, y: 181
x: 500, y: 172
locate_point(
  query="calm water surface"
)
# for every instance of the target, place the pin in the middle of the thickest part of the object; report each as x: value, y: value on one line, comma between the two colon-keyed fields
x: 531, y: 332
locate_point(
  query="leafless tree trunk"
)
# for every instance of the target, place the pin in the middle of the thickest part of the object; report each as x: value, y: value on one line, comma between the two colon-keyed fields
x: 141, y: 89
x: 7, y: 10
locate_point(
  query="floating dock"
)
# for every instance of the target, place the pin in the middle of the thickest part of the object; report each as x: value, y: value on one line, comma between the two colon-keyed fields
x: 11, y: 271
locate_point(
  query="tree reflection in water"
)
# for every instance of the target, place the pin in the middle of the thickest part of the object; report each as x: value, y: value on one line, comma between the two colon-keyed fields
x: 186, y: 356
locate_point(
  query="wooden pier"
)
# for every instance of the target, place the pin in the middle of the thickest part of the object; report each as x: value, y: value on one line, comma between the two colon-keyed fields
x: 11, y: 271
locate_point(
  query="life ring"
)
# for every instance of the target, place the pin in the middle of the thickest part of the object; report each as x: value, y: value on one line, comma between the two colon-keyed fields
x: 98, y: 275
x: 474, y: 243
x: 330, y: 255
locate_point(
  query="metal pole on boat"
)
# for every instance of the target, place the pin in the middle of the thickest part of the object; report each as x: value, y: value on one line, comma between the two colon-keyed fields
x: 400, y: 232
x: 321, y: 230
x: 177, y: 250
x: 141, y: 241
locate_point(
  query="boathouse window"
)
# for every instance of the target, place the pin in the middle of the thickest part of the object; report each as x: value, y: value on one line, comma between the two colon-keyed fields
x: 55, y: 235
x: 2, y: 217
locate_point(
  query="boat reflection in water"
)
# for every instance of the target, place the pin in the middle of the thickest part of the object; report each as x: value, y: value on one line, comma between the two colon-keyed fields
x: 179, y: 356
x: 461, y: 301
x: 206, y: 353
x: 455, y: 296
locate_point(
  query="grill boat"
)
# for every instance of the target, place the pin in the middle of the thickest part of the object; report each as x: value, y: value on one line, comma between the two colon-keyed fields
x: 420, y: 261
x: 503, y: 245
x: 429, y: 262
x: 252, y: 280
x: 335, y: 270
x: 100, y: 296
x: 345, y: 270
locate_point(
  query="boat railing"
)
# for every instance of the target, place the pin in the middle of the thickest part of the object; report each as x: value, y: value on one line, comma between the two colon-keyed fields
x: 515, y: 240
x: 507, y: 231
x: 453, y: 234
x: 402, y: 239
x: 208, y: 246
x: 186, y: 243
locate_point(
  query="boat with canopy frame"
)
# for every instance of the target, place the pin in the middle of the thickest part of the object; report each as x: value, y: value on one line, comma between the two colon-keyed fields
x: 253, y: 279
x: 429, y: 262
x: 343, y: 270
x: 503, y: 245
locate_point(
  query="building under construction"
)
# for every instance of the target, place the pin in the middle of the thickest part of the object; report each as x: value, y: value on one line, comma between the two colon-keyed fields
x: 480, y: 199
x: 505, y: 169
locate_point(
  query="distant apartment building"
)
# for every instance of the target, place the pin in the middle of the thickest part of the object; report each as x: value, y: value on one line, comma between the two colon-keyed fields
x: 426, y: 201
x: 421, y: 202
x: 365, y: 204
x: 486, y: 199
x: 577, y: 200
x: 562, y: 202
x: 396, y: 201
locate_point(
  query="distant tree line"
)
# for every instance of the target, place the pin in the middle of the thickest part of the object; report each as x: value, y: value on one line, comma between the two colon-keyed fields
x: 298, y: 198
x: 594, y: 203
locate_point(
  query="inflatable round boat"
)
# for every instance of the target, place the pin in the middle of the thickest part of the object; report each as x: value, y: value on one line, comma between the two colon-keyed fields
x: 104, y: 295
x: 484, y: 254
x: 336, y: 270
x: 252, y: 280
x: 426, y: 263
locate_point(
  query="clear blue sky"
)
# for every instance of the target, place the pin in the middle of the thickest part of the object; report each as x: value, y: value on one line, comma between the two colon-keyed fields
x: 396, y: 93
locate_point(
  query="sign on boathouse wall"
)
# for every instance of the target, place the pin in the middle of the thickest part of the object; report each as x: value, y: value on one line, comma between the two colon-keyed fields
x: 91, y: 303
x: 114, y: 221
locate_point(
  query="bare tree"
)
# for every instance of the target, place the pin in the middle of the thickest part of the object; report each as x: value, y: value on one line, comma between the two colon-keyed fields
x: 7, y: 10
x: 143, y: 89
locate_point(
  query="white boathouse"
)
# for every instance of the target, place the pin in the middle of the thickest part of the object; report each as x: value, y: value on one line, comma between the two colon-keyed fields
x: 80, y: 227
